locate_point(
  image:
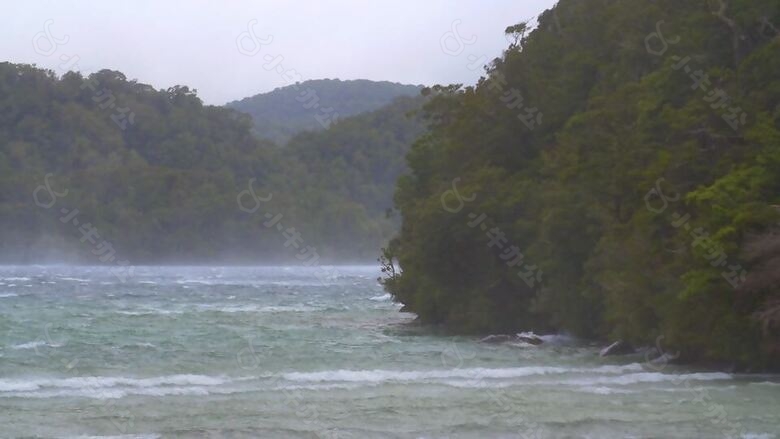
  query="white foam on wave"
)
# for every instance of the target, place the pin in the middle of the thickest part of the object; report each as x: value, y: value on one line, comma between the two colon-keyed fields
x: 121, y: 392
x: 101, y: 393
x: 382, y: 298
x: 293, y: 308
x: 255, y: 283
x: 256, y: 308
x: 766, y: 383
x: 400, y: 375
x: 602, y: 390
x: 559, y: 339
x: 647, y: 377
x: 378, y: 375
x: 16, y: 386
x: 15, y: 278
x: 6, y: 295
x: 149, y: 311
x: 98, y: 384
x: 615, y: 368
x: 229, y: 309
x: 330, y: 386
x: 194, y: 281
x: 121, y: 436
x: 29, y: 345
x: 476, y: 384
x: 597, y: 380
x: 74, y: 279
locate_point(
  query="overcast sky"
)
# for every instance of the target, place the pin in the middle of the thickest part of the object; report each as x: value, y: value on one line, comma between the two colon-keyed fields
x: 195, y: 43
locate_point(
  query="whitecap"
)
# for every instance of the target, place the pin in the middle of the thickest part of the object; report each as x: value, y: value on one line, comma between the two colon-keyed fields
x: 561, y: 339
x: 607, y: 374
x: 29, y: 345
x: 193, y: 281
x: 5, y: 295
x: 146, y: 311
x: 609, y: 368
x: 766, y: 383
x: 647, y: 377
x: 117, y: 393
x: 122, y: 436
x: 291, y: 308
x: 100, y: 384
x: 74, y: 279
x: 16, y: 386
x: 382, y: 298
x: 255, y: 308
x: 602, y: 390
x: 475, y: 384
x: 416, y: 375
x: 331, y: 386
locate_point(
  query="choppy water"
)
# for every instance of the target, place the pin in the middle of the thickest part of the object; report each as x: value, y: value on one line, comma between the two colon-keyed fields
x: 285, y: 352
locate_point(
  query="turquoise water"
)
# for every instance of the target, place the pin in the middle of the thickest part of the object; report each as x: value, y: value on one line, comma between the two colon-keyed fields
x: 278, y: 352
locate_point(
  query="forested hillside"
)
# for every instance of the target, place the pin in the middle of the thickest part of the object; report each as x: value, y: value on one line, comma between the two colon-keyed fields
x: 316, y: 104
x: 341, y: 181
x: 615, y: 175
x: 157, y: 175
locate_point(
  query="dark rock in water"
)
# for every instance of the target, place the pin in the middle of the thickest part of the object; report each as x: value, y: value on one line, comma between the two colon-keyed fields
x: 619, y: 347
x: 530, y: 338
x: 497, y: 339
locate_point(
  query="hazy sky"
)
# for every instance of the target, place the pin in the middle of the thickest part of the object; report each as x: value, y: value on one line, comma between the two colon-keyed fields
x: 194, y: 43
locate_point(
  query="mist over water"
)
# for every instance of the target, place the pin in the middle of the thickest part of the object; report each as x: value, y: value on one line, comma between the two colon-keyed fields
x: 288, y: 352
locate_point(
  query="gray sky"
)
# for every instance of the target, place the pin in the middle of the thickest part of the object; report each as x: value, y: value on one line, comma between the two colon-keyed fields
x: 194, y: 43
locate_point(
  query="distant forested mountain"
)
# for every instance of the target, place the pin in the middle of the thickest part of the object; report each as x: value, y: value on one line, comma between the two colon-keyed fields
x: 316, y: 104
x: 155, y: 176
x: 616, y: 175
x: 341, y: 181
x: 360, y: 158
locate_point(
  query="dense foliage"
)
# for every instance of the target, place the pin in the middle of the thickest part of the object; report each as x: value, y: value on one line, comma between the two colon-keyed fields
x: 644, y: 201
x: 313, y: 105
x: 359, y: 160
x: 160, y: 182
